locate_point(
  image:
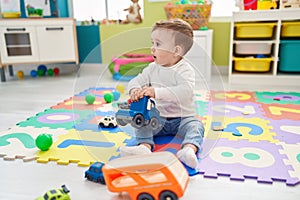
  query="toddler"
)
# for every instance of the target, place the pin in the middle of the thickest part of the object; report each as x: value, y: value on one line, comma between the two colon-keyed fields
x: 170, y: 80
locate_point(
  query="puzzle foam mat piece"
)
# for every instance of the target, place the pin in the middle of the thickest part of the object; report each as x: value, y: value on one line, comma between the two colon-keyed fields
x: 56, y: 118
x: 79, y: 103
x: 201, y: 108
x: 260, y: 137
x: 233, y: 96
x: 243, y: 159
x: 282, y: 111
x: 84, y: 147
x: 287, y: 131
x: 253, y: 129
x: 278, y: 97
x: 235, y: 109
x: 19, y: 142
x: 202, y: 95
x: 292, y: 151
x: 97, y: 91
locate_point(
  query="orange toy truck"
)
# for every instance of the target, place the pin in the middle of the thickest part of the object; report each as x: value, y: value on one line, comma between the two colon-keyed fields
x: 159, y: 175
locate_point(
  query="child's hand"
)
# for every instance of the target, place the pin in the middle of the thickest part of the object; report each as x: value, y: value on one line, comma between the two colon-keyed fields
x: 138, y: 93
x: 149, y: 91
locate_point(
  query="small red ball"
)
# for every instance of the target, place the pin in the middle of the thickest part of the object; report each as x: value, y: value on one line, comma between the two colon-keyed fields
x: 56, y: 71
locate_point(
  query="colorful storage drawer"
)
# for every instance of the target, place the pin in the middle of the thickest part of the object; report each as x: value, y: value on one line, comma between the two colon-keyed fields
x: 254, y: 30
x: 289, y: 56
x: 290, y: 29
x: 252, y: 64
x: 253, y: 48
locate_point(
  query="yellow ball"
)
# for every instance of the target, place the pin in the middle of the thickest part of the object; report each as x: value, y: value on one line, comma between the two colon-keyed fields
x: 120, y: 88
x: 20, y: 74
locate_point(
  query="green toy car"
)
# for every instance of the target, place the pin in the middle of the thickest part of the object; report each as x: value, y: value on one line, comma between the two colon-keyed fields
x: 56, y: 194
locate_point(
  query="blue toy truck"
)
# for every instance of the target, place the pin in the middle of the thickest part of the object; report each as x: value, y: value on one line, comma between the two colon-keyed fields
x: 94, y: 173
x: 140, y: 113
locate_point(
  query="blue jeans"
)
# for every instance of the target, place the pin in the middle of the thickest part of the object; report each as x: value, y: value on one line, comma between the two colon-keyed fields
x: 189, y: 128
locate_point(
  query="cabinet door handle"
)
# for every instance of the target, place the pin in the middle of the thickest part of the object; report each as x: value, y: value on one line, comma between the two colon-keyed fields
x: 54, y: 28
x: 16, y: 29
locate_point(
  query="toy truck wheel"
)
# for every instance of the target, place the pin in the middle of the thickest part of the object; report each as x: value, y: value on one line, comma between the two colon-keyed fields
x: 121, y: 122
x: 111, y: 125
x: 145, y: 196
x: 89, y: 177
x: 167, y: 195
x: 101, y: 180
x: 154, y: 124
x: 101, y: 125
x: 138, y: 121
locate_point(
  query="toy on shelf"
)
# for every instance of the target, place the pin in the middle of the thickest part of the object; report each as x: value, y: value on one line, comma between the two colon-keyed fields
x: 134, y: 15
x: 34, y: 12
x: 128, y: 66
x: 108, y: 122
x: 140, y: 113
x: 196, y: 13
x: 257, y: 4
x: 58, y: 194
x: 267, y: 4
x: 159, y: 175
x: 289, y: 4
x: 94, y: 173
x: 44, y: 141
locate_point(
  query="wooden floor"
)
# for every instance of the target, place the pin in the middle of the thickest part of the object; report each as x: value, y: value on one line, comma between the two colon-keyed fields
x: 20, y: 99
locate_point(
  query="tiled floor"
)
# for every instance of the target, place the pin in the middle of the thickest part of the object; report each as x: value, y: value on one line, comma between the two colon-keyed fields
x: 20, y: 99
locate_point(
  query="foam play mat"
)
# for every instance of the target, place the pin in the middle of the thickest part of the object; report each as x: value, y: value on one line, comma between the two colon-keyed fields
x: 249, y: 135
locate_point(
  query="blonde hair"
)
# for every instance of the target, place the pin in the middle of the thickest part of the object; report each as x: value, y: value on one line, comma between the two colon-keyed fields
x: 183, y: 32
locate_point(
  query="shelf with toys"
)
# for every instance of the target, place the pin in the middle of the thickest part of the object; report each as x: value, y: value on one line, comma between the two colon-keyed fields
x: 41, y: 40
x: 263, y: 47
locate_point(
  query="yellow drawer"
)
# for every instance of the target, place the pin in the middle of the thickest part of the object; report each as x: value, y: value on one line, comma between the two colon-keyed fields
x: 290, y: 29
x: 252, y: 64
x: 254, y: 30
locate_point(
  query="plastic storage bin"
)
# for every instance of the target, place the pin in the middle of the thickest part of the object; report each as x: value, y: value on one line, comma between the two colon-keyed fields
x: 290, y: 29
x: 252, y: 64
x: 254, y: 30
x: 253, y: 48
x: 289, y: 56
x: 11, y: 14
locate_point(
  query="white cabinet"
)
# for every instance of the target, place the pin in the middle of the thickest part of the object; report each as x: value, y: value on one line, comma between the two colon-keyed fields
x: 200, y: 55
x: 17, y: 44
x: 46, y: 40
x: 56, y: 43
x: 256, y: 37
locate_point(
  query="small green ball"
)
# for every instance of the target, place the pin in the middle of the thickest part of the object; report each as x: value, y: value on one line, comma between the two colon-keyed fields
x: 40, y: 72
x: 90, y: 99
x: 108, y: 97
x: 50, y: 72
x: 44, y: 141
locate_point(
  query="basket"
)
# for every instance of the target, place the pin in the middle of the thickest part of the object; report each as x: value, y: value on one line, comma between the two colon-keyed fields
x: 196, y: 15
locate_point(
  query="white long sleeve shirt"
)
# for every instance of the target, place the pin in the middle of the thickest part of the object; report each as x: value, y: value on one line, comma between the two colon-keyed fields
x: 174, y: 87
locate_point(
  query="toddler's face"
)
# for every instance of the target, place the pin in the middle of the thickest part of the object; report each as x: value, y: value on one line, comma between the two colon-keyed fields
x: 163, y: 47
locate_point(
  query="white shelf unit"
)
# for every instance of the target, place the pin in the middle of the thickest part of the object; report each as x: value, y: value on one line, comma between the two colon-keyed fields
x: 43, y: 40
x: 200, y: 55
x: 273, y: 76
